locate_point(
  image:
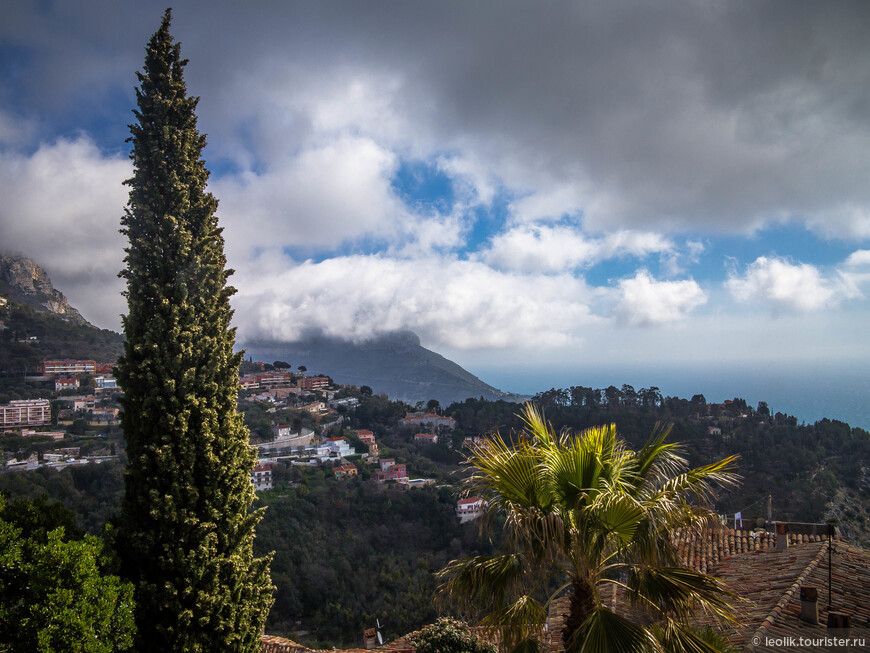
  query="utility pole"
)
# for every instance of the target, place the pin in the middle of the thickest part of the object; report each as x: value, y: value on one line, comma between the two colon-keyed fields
x: 769, y: 508
x: 830, y: 543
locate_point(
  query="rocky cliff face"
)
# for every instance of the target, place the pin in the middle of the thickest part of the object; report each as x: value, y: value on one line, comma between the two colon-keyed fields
x: 24, y: 281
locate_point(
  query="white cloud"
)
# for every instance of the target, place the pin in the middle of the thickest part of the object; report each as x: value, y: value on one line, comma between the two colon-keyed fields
x: 858, y: 258
x: 645, y: 301
x: 320, y: 198
x: 15, y: 132
x: 473, y: 182
x: 783, y: 285
x: 851, y: 221
x: 62, y: 207
x: 547, y: 204
x: 450, y: 302
x: 676, y: 260
x: 558, y: 249
x: 422, y: 236
x: 854, y: 274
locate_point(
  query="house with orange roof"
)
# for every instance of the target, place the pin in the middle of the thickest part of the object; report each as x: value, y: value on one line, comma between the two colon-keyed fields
x: 425, y: 438
x: 430, y: 420
x: 391, y: 473
x: 65, y: 383
x: 365, y: 436
x: 343, y: 471
x: 261, y: 477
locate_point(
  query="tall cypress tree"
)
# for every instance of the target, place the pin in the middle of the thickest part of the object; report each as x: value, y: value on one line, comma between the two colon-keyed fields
x: 187, y: 529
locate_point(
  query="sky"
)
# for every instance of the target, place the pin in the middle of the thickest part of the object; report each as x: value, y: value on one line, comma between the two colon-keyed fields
x: 525, y: 185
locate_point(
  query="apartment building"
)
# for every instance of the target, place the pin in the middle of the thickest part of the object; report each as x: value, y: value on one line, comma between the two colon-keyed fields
x: 68, y: 367
x: 25, y: 412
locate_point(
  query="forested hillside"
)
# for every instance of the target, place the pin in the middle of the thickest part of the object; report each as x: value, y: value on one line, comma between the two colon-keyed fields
x: 352, y: 551
x: 29, y: 337
x: 813, y: 472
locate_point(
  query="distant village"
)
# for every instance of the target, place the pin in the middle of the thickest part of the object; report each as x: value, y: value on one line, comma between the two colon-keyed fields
x: 86, y: 396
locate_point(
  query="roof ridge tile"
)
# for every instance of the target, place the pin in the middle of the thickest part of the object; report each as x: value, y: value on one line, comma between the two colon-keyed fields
x: 770, y: 619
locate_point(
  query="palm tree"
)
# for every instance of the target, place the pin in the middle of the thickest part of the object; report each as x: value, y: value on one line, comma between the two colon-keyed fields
x: 584, y: 514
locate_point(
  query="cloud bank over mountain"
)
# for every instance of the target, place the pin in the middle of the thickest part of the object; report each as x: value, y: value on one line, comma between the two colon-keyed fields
x: 559, y: 179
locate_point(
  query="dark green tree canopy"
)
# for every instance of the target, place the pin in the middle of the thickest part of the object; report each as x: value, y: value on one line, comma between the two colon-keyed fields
x: 55, y: 593
x: 187, y: 529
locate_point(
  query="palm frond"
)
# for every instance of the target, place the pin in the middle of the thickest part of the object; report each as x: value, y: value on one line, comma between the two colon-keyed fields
x: 618, y: 515
x: 483, y: 582
x: 504, y: 473
x: 588, y: 511
x: 517, y: 623
x: 571, y: 476
x: 658, y: 459
x: 681, y: 591
x: 607, y: 632
x: 678, y: 637
x: 700, y: 481
x: 537, y: 429
x: 539, y: 534
x: 600, y: 440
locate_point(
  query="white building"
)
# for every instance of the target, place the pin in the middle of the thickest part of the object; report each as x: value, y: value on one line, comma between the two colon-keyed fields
x: 339, y: 446
x: 469, y: 508
x: 105, y: 383
x: 431, y: 420
x: 261, y: 477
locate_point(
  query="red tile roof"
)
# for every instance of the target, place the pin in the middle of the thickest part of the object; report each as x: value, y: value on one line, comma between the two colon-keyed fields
x: 771, y: 580
x: 702, y: 550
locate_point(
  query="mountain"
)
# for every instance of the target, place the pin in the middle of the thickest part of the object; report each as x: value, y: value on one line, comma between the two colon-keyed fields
x: 38, y: 323
x: 24, y: 281
x: 395, y: 364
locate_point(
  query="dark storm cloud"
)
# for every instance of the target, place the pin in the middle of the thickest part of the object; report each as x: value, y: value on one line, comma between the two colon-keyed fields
x: 699, y: 114
x: 633, y: 119
x: 710, y: 115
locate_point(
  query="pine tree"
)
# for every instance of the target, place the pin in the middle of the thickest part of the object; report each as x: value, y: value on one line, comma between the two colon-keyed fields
x: 187, y: 528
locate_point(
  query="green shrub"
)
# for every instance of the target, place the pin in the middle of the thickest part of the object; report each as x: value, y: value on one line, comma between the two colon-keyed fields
x: 450, y: 636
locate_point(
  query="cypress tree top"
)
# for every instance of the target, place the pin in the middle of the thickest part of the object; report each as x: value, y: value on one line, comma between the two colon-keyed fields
x: 186, y: 531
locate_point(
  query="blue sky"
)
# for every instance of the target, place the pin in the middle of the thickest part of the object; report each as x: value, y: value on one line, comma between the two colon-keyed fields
x: 574, y: 184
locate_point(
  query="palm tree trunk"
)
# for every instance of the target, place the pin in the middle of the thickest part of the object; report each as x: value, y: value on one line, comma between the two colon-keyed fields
x: 581, y: 606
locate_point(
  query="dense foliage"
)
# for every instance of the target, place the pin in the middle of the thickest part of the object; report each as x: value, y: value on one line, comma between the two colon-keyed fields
x: 186, y: 530
x: 55, y: 592
x: 350, y: 552
x: 92, y: 493
x: 811, y: 471
x: 55, y: 338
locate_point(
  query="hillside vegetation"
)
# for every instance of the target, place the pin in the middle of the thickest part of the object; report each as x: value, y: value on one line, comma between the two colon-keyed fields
x: 352, y: 552
x: 812, y: 472
x: 52, y: 337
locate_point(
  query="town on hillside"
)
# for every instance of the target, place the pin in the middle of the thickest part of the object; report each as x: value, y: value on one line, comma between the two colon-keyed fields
x: 337, y: 466
x: 296, y: 419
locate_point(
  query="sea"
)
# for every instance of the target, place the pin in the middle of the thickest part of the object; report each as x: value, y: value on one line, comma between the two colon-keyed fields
x: 808, y: 391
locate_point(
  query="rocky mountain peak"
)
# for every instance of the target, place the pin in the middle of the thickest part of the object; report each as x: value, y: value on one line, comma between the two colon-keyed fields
x: 22, y: 280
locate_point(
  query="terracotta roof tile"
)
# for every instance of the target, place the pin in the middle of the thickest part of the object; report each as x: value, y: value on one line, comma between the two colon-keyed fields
x: 772, y: 579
